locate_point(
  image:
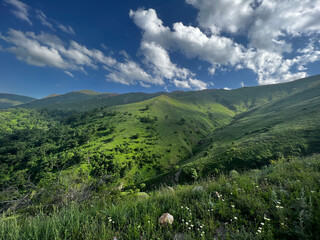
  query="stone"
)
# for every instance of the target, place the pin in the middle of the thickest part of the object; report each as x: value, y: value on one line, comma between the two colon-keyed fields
x: 166, y: 219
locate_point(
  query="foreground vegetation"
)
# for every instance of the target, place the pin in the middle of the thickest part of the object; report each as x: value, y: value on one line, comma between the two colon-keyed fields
x: 72, y: 166
x: 280, y: 201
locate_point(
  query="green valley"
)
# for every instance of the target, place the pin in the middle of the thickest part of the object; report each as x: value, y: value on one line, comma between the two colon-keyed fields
x: 70, y: 161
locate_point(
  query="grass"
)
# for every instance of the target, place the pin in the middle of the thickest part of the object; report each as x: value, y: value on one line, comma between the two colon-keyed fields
x: 277, y: 202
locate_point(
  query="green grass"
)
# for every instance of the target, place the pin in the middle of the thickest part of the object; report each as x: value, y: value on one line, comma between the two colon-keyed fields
x: 281, y: 201
x: 61, y: 165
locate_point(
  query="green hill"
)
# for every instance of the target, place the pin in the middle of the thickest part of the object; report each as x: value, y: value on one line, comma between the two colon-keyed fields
x: 82, y: 144
x: 9, y: 100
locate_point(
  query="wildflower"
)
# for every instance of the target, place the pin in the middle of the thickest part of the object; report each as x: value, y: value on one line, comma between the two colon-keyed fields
x: 313, y: 191
x: 181, y: 206
x: 232, y: 206
x: 149, y: 221
x: 259, y: 231
x: 235, y: 218
x: 279, y: 203
x: 192, y: 226
x: 262, y: 223
x: 110, y: 220
x: 187, y: 223
x: 282, y: 224
x: 189, y: 228
x: 182, y: 220
x: 201, y: 226
x: 189, y: 220
x: 201, y: 234
x: 138, y: 226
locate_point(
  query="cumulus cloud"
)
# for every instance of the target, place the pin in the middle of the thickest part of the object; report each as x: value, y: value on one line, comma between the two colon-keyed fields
x: 181, y: 84
x: 158, y: 58
x: 190, y: 83
x: 197, y: 84
x: 20, y: 10
x: 32, y: 52
x: 48, y: 50
x: 269, y: 26
x: 130, y: 73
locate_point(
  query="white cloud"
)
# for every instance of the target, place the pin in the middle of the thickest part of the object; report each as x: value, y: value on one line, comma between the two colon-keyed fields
x: 66, y: 29
x: 217, y: 15
x: 69, y: 73
x: 197, y: 84
x: 130, y: 73
x: 158, y: 58
x: 43, y: 19
x: 268, y: 25
x: 20, y: 10
x: 226, y: 88
x: 48, y: 50
x: 242, y: 84
x: 181, y: 84
x: 191, y: 83
x: 32, y: 52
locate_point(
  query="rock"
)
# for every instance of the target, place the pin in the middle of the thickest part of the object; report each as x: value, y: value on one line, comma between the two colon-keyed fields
x: 197, y: 189
x: 165, y: 219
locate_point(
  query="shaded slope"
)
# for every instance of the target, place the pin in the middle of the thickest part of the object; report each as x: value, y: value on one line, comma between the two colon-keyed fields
x: 9, y: 100
x: 287, y: 127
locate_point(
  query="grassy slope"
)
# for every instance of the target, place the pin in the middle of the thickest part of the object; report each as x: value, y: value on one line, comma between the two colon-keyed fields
x: 10, y: 100
x: 277, y: 202
x: 164, y: 141
x: 288, y: 126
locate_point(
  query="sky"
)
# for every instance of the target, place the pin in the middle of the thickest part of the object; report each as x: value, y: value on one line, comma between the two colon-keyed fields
x: 124, y: 46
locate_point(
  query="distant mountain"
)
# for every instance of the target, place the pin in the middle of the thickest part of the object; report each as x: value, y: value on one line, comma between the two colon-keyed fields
x: 9, y: 100
x: 67, y: 99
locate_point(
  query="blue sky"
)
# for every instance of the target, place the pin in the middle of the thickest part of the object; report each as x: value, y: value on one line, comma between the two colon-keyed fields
x: 160, y: 45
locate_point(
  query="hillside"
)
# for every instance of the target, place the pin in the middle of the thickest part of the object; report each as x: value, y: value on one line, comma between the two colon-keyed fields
x: 9, y: 100
x: 81, y: 144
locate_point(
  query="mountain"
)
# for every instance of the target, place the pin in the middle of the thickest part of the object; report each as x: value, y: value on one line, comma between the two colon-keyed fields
x: 68, y: 98
x: 9, y: 100
x: 94, y: 149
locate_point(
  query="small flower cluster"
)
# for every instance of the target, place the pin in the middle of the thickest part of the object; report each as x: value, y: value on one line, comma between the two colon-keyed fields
x: 266, y: 219
x: 279, y: 205
x: 260, y: 228
x: 188, y: 209
x: 110, y: 220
